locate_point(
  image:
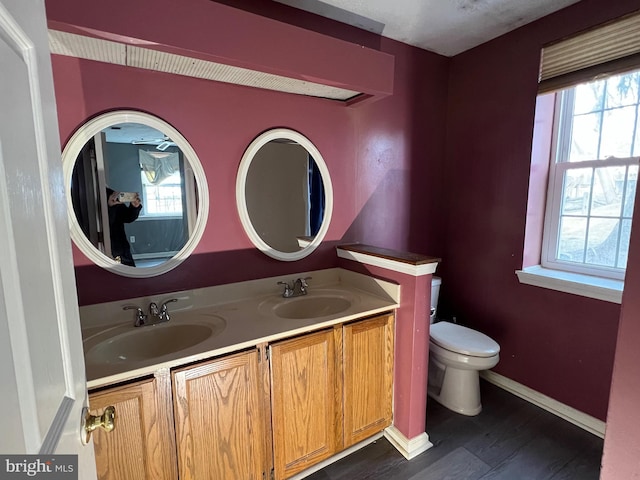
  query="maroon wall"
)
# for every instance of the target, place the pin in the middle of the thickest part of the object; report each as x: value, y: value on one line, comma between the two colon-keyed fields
x: 384, y: 158
x: 387, y: 161
x: 559, y: 344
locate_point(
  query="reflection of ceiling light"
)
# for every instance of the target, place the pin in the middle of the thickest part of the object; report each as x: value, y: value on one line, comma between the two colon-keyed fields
x: 163, y: 146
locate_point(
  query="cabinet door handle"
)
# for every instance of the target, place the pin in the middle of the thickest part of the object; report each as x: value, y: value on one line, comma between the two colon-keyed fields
x: 106, y: 421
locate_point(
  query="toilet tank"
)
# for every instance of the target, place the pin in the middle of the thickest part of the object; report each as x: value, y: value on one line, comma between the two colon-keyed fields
x: 435, y: 292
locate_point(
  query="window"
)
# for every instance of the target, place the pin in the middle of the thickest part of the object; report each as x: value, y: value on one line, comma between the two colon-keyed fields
x: 584, y: 161
x: 593, y: 176
x: 161, y: 183
x: 163, y: 199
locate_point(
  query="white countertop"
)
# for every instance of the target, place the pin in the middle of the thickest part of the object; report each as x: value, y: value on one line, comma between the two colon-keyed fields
x: 241, y: 314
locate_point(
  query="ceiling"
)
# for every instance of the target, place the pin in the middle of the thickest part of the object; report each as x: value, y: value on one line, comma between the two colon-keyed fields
x: 447, y: 27
x: 133, y: 133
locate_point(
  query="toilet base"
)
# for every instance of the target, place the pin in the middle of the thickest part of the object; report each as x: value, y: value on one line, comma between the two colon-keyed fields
x: 459, y: 392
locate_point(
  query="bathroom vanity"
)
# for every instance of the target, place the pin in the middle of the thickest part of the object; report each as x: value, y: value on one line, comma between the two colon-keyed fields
x: 289, y: 383
x: 241, y: 382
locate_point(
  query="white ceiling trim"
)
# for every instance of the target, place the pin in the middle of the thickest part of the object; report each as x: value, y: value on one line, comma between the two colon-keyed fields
x: 89, y: 48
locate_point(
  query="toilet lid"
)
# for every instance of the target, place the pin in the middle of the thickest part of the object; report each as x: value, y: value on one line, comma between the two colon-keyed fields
x: 466, y: 341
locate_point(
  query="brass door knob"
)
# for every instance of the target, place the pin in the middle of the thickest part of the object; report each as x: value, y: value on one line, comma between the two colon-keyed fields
x: 106, y: 421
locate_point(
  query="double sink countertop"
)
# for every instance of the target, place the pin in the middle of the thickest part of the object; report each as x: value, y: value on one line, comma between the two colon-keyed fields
x: 213, y: 321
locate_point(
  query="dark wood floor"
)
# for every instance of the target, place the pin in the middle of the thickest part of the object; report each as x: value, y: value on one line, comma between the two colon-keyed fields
x: 511, y: 439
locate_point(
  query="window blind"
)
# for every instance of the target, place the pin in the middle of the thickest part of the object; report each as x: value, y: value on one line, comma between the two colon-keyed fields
x: 611, y: 48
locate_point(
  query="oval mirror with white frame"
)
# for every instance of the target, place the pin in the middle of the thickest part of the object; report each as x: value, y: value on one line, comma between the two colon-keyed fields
x: 137, y: 193
x: 284, y: 194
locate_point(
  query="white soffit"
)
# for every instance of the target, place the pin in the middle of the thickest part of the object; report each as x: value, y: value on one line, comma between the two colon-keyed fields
x: 89, y: 48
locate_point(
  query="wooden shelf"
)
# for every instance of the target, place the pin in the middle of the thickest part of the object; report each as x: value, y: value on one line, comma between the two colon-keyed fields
x: 396, y: 260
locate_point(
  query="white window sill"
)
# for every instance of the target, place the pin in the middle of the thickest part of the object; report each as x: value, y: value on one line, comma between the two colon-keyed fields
x: 578, y: 284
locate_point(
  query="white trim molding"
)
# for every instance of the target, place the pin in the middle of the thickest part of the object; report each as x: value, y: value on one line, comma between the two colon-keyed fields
x: 570, y: 414
x: 408, y: 447
x: 393, y: 265
x: 590, y: 286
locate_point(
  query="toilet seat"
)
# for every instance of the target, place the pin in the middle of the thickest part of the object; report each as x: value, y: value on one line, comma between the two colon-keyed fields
x: 463, y: 340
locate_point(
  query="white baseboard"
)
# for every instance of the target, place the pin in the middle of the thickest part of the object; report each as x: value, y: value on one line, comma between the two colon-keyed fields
x: 410, y: 448
x: 570, y: 414
x: 336, y: 457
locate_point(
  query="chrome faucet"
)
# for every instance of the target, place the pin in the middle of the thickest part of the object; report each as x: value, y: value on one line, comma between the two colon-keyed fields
x: 158, y: 315
x: 297, y: 288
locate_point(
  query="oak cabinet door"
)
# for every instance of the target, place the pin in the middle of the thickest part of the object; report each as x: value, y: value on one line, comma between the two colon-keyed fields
x: 220, y: 426
x: 368, y: 377
x: 304, y: 402
x: 142, y: 444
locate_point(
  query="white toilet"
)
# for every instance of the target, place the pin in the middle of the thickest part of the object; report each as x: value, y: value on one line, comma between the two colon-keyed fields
x: 456, y: 355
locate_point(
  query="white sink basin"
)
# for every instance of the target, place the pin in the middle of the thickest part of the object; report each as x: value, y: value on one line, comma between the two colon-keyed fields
x: 319, y: 303
x: 143, y: 343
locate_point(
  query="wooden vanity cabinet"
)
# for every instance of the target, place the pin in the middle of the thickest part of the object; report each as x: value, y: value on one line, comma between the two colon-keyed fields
x: 330, y: 390
x: 304, y: 404
x: 284, y: 408
x: 368, y: 377
x: 221, y: 424
x: 142, y: 445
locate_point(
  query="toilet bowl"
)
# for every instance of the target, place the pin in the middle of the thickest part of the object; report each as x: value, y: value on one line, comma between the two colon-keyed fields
x: 456, y: 356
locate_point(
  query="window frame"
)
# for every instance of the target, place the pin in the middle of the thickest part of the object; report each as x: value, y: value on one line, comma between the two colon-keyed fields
x: 560, y: 144
x: 158, y: 216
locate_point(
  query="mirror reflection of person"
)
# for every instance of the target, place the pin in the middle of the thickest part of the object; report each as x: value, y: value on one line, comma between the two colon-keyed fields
x: 119, y: 214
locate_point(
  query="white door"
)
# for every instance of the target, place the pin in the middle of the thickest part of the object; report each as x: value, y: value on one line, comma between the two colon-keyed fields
x: 41, y: 361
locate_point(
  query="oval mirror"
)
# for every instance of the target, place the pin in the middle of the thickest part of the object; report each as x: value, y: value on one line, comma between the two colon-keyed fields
x: 284, y: 194
x: 137, y: 193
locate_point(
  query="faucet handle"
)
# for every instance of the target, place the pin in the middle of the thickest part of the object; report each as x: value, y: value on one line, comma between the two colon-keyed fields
x: 141, y: 317
x: 303, y: 284
x: 163, y: 308
x: 288, y: 290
